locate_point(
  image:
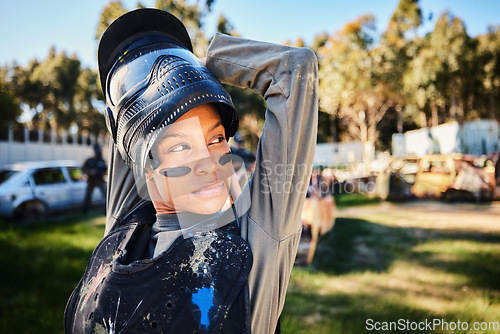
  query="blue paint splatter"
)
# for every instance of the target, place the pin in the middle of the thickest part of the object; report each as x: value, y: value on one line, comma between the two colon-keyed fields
x: 204, y: 299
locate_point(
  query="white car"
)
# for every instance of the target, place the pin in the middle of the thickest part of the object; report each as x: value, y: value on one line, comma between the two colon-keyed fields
x: 28, y: 190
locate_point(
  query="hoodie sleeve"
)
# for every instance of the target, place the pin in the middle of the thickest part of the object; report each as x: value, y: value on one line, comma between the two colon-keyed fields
x: 287, y: 78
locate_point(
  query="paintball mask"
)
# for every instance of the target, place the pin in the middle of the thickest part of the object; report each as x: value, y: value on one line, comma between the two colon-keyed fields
x: 150, y: 78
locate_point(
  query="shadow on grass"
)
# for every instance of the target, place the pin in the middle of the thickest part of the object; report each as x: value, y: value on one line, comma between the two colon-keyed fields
x: 347, y: 313
x: 356, y: 245
x: 41, y: 265
x: 361, y: 313
x: 363, y: 270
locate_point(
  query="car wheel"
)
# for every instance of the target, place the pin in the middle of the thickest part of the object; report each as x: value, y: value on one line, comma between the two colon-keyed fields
x: 30, y: 211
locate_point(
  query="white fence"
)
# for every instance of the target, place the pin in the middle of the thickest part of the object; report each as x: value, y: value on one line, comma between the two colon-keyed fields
x: 335, y: 154
x: 12, y: 151
x: 476, y: 137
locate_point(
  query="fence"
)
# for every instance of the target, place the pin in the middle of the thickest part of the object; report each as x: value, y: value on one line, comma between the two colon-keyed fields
x: 74, y: 147
x: 335, y: 154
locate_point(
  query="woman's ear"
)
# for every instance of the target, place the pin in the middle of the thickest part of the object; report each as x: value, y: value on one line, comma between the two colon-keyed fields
x: 153, y: 192
x: 148, y: 174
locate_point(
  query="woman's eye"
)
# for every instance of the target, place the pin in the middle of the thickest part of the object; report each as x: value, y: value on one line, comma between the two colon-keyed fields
x: 218, y: 140
x: 180, y: 148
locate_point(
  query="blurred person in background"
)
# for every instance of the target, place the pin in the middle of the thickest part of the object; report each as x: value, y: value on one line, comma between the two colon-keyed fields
x: 95, y: 169
x: 245, y: 169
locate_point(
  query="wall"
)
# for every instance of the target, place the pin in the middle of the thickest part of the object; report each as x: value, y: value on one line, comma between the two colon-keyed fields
x: 12, y: 151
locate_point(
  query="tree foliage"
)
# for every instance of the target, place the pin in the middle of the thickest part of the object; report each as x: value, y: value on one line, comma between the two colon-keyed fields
x: 353, y: 81
x: 369, y: 80
x: 58, y: 92
x: 9, y: 106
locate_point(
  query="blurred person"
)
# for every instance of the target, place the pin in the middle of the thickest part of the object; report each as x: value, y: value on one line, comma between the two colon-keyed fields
x: 239, y: 150
x: 186, y: 250
x: 497, y: 168
x: 317, y: 213
x: 95, y: 169
x: 246, y: 168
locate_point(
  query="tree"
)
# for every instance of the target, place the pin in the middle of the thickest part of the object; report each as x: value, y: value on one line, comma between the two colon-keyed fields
x: 443, y: 76
x: 489, y: 60
x: 397, y: 48
x: 27, y: 91
x: 423, y: 82
x: 88, y: 94
x: 351, y: 82
x: 449, y: 43
x: 111, y: 12
x: 9, y: 106
x: 191, y: 13
x: 225, y: 27
x: 59, y: 93
x: 57, y: 78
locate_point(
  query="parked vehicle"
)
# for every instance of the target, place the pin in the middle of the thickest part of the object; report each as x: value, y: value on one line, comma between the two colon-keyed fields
x: 29, y: 190
x: 455, y: 176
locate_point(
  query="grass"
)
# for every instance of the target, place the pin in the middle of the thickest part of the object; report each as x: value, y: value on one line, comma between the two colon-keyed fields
x: 377, y: 268
x: 355, y: 199
x: 41, y: 264
x: 383, y: 266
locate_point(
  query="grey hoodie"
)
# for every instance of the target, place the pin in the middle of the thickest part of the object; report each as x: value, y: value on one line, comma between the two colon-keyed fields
x: 271, y: 203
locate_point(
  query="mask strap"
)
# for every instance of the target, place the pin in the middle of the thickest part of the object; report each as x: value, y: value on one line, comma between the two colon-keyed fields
x: 111, y: 123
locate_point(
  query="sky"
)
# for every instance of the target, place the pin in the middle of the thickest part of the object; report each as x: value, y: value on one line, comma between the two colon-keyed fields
x: 28, y: 28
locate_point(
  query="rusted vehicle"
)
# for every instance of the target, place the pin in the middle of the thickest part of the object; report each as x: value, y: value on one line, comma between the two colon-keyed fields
x: 396, y: 181
x: 455, y: 177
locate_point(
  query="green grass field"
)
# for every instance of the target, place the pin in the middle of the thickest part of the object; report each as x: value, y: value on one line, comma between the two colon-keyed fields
x: 411, y: 265
x: 372, y: 266
x: 41, y: 264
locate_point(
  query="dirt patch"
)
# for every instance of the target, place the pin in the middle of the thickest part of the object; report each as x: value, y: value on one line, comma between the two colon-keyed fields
x: 482, y: 218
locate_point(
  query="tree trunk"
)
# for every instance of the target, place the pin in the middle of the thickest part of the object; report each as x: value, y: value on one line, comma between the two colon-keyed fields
x: 400, y: 118
x: 363, y: 136
x: 453, y: 100
x: 369, y: 146
x: 492, y: 106
x: 423, y: 120
x: 333, y: 128
x: 460, y: 110
x: 434, y: 118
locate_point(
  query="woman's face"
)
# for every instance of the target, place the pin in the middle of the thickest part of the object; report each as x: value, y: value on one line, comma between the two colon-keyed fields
x: 191, y: 176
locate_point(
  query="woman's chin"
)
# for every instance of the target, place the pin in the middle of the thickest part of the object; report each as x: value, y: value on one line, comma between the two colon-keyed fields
x: 211, y: 206
x: 204, y: 204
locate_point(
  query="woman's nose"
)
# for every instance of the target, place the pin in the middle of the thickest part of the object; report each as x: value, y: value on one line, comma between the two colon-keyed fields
x: 205, y: 163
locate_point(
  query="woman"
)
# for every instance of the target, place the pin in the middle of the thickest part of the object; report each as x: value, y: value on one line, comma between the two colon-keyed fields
x: 209, y: 258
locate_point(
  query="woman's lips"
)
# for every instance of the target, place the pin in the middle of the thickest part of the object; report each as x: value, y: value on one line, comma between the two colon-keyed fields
x: 210, y: 191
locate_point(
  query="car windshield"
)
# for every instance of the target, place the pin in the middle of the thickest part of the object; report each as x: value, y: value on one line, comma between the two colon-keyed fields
x: 5, y: 174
